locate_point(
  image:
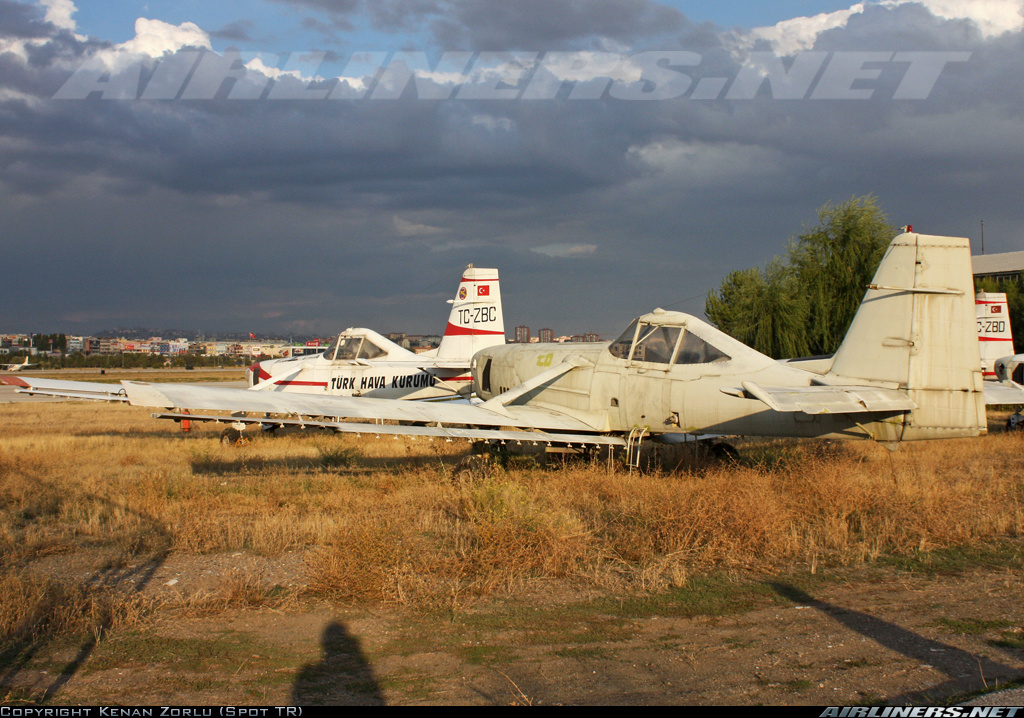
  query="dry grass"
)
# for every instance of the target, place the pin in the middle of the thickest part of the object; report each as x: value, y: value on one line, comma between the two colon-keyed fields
x: 381, y: 520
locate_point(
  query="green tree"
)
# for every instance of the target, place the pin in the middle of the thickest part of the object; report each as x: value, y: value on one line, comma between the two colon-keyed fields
x: 803, y: 304
x: 763, y: 309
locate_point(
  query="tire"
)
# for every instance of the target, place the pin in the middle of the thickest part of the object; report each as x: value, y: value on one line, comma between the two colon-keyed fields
x: 231, y: 437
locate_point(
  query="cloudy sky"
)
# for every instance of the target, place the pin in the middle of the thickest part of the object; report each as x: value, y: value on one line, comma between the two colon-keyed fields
x: 299, y: 166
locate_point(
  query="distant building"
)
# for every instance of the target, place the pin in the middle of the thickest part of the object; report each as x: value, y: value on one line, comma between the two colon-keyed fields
x: 546, y: 336
x: 522, y: 334
x: 1000, y: 267
x: 591, y: 337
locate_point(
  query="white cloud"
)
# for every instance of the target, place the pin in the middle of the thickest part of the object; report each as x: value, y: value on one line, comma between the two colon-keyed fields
x: 404, y: 228
x: 800, y: 33
x: 155, y: 37
x: 565, y: 250
x: 993, y: 18
x: 59, y: 13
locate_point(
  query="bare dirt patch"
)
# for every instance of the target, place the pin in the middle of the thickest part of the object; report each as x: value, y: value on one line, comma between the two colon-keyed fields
x: 872, y: 636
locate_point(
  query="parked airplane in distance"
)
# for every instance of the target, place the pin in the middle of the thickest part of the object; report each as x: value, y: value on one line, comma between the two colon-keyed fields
x: 361, y: 362
x: 18, y: 367
x: 995, y: 339
x: 908, y: 369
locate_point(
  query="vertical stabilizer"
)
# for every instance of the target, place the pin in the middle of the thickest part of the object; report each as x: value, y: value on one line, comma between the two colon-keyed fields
x: 916, y: 330
x: 994, y: 334
x: 476, y: 321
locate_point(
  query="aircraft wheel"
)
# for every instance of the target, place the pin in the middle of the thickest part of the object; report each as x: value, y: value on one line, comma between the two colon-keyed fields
x: 725, y: 451
x: 232, y: 437
x: 471, y: 469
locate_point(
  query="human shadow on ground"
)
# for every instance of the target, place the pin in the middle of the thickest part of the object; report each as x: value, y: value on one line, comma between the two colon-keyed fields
x: 342, y: 677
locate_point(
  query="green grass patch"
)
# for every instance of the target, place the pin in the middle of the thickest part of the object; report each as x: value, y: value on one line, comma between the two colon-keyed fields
x: 1010, y: 639
x: 1001, y: 555
x: 584, y: 653
x: 970, y: 626
x: 228, y: 651
x: 487, y: 655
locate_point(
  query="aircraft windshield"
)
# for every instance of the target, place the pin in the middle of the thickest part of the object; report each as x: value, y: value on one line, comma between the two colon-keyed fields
x: 370, y: 350
x: 621, y: 346
x: 694, y: 350
x: 344, y: 348
x: 655, y: 343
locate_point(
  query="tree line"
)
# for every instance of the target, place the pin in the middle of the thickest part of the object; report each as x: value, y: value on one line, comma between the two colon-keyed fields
x: 801, y: 303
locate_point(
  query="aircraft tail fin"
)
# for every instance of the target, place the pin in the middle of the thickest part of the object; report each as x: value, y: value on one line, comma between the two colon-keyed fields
x: 476, y: 320
x: 915, y: 330
x: 994, y: 334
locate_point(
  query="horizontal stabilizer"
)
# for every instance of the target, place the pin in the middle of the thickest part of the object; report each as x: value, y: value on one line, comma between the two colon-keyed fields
x: 1003, y: 392
x: 830, y: 399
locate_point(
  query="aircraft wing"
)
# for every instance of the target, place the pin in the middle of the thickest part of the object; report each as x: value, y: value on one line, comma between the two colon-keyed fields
x: 363, y: 414
x: 67, y: 389
x: 829, y: 399
x: 1003, y: 392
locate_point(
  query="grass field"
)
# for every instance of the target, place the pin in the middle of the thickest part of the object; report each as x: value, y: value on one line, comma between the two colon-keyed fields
x: 93, y: 496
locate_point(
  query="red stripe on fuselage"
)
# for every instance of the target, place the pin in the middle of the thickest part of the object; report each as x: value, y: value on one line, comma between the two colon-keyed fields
x: 453, y: 331
x: 301, y: 383
x: 994, y: 339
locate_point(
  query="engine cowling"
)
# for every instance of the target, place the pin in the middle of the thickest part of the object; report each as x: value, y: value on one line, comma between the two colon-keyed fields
x: 1010, y: 368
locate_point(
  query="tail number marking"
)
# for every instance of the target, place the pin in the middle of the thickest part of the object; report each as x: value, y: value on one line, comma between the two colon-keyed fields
x: 478, y: 315
x: 988, y: 326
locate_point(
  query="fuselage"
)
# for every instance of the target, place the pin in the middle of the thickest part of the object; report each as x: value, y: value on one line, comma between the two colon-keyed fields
x: 363, y: 363
x: 672, y: 373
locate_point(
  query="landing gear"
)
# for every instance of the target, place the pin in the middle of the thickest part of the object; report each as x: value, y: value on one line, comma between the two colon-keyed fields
x: 1015, y: 422
x: 724, y: 451
x: 232, y: 436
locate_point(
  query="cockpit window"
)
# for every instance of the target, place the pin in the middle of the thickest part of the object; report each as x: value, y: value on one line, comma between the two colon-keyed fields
x: 344, y: 348
x: 694, y: 350
x: 621, y: 346
x: 656, y: 343
x: 370, y: 350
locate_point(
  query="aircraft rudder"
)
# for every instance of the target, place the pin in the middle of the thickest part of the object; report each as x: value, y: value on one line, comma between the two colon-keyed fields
x: 476, y: 320
x: 916, y: 329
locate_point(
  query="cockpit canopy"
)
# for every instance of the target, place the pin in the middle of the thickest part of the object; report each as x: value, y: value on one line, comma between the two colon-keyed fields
x: 349, y: 348
x: 658, y: 343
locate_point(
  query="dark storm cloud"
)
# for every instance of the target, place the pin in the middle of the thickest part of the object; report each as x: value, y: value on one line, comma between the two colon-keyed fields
x: 23, y: 21
x: 343, y: 212
x: 500, y: 25
x: 238, y: 31
x: 548, y: 24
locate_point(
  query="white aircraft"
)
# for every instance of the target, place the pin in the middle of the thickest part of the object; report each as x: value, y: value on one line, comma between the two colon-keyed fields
x: 908, y: 369
x: 18, y: 367
x: 995, y: 339
x: 361, y: 362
